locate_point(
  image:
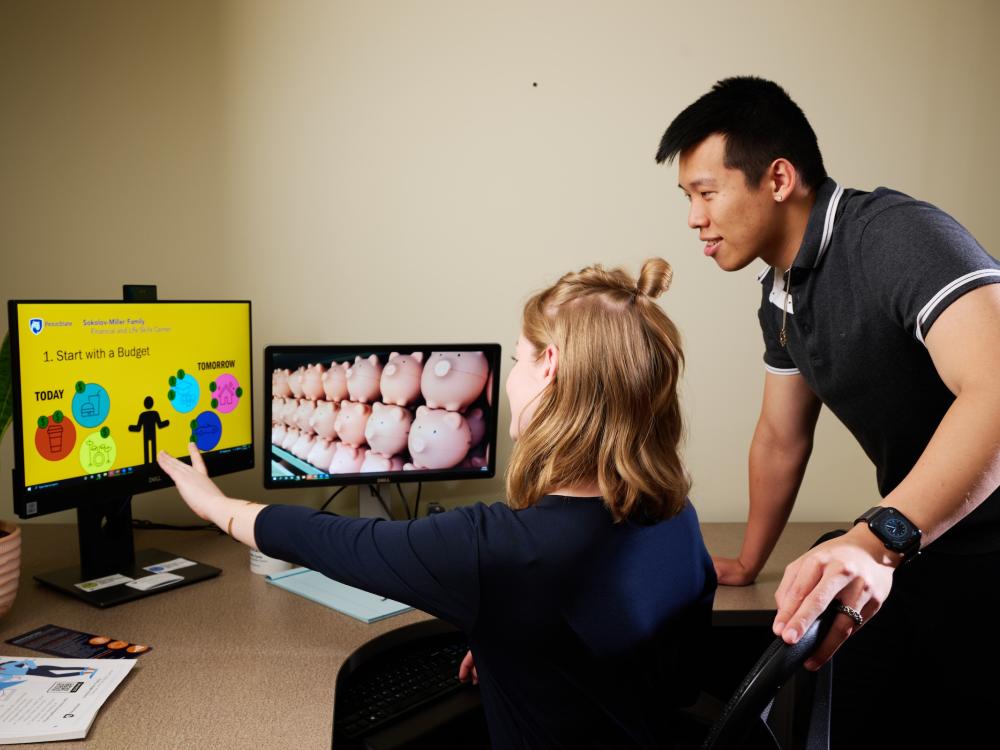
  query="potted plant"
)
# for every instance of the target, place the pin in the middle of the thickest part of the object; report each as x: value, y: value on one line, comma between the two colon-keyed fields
x: 10, y: 534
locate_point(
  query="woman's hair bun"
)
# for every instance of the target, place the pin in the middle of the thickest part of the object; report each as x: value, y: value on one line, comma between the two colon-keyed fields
x: 654, y: 278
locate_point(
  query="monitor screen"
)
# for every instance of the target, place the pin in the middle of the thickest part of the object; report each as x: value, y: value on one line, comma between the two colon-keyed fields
x: 99, y: 387
x: 366, y: 414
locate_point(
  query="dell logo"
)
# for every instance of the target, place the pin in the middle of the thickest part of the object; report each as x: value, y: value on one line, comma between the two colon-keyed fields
x: 36, y: 325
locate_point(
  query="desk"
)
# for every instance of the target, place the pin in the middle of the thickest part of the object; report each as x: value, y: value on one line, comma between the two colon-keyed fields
x: 238, y: 663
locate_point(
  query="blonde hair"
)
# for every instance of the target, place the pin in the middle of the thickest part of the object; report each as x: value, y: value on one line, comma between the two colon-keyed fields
x: 611, y: 413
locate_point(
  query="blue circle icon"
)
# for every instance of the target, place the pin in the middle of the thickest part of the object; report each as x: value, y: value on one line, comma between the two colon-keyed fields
x: 206, y: 432
x: 184, y: 392
x: 91, y: 404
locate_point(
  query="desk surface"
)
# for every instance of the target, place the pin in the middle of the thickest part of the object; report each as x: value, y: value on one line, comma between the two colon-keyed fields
x: 238, y: 663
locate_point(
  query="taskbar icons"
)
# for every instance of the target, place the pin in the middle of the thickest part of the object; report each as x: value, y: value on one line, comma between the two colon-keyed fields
x: 299, y: 477
x: 85, y: 478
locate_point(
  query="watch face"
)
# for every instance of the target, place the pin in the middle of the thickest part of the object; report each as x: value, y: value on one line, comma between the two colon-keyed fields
x: 896, y: 528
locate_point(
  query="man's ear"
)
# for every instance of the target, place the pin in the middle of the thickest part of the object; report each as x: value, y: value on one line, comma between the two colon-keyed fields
x: 782, y: 179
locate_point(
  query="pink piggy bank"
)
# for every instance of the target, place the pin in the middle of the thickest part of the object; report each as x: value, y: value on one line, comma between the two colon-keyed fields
x: 388, y: 428
x: 291, y: 435
x: 279, y: 384
x: 277, y: 433
x: 453, y: 380
x: 477, y: 425
x: 363, y: 379
x: 335, y: 382
x: 351, y: 422
x: 303, y: 445
x: 304, y: 413
x: 439, y: 439
x: 324, y: 419
x: 284, y: 411
x: 346, y: 459
x: 400, y: 383
x: 295, y: 382
x: 380, y: 464
x: 322, y: 453
x: 312, y: 382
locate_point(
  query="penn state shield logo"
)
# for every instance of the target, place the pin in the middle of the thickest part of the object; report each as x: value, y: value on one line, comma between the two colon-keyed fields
x: 36, y: 325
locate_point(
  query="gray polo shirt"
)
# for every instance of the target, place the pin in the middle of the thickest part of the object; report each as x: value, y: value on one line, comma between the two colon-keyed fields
x: 874, y: 271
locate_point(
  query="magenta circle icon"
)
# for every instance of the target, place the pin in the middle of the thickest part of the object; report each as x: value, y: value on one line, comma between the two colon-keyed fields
x: 226, y: 393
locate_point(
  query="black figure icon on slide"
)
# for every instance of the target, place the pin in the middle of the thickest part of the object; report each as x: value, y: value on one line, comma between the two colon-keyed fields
x: 149, y: 422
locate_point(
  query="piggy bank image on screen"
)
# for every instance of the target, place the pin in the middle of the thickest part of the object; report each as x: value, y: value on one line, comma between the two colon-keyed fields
x: 401, y: 378
x: 335, y: 382
x: 453, y: 380
x: 351, y: 422
x: 279, y: 384
x: 363, y: 379
x: 380, y: 464
x: 324, y: 419
x: 322, y: 452
x: 295, y: 382
x: 347, y: 459
x: 312, y: 382
x: 388, y: 429
x: 439, y: 439
x: 403, y: 413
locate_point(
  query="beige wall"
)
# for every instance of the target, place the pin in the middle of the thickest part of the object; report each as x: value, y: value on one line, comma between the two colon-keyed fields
x: 389, y: 171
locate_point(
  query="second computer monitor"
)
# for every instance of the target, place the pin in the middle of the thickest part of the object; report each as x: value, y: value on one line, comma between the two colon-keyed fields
x: 364, y: 414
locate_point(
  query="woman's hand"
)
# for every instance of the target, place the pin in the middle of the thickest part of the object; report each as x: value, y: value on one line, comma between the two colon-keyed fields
x: 467, y: 669
x: 731, y: 572
x: 198, y: 491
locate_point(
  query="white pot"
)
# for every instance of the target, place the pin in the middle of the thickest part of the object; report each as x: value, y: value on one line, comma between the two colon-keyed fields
x: 10, y: 565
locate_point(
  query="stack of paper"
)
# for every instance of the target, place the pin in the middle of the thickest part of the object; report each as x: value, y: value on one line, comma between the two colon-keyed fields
x: 341, y: 597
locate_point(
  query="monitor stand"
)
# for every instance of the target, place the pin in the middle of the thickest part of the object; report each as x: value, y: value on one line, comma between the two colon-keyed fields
x: 107, y: 549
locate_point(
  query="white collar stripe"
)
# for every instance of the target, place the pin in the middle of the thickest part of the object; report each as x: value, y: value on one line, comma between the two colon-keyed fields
x: 781, y: 370
x: 944, y: 292
x: 831, y: 212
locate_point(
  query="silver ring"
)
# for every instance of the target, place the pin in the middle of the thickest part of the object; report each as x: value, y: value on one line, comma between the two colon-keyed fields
x: 852, y: 613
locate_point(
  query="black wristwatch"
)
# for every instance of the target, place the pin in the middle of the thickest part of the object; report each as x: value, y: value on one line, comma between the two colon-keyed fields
x: 897, y: 532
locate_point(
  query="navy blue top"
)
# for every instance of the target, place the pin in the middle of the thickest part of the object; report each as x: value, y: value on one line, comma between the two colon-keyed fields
x: 584, y: 631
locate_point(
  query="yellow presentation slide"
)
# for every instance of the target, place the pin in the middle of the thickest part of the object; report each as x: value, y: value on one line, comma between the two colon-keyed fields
x: 105, y: 385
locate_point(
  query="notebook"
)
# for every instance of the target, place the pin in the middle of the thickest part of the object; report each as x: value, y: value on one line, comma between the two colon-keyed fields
x: 339, y: 596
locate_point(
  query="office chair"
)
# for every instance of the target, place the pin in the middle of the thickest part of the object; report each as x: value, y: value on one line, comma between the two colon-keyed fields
x: 414, y: 714
x: 779, y: 705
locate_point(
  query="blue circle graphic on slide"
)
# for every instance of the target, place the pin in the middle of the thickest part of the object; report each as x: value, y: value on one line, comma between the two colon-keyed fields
x: 91, y: 404
x: 206, y: 430
x: 184, y: 392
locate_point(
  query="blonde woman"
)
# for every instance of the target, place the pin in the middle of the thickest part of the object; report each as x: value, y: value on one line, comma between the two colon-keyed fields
x: 585, y: 595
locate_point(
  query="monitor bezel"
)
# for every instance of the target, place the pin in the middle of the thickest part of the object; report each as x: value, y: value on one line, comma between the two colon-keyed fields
x: 67, y: 497
x: 493, y: 352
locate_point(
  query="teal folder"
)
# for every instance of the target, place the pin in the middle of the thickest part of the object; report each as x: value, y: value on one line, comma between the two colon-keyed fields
x: 346, y: 599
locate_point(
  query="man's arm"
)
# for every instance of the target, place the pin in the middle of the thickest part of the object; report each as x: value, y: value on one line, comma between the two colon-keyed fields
x: 779, y: 453
x: 958, y: 469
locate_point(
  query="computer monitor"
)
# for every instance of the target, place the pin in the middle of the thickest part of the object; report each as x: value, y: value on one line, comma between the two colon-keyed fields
x: 371, y: 414
x: 99, y: 387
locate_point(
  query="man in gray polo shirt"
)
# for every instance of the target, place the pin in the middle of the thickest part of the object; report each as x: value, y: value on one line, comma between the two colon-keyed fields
x: 886, y: 310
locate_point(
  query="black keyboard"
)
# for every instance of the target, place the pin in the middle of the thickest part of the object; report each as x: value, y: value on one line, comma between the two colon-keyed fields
x: 398, y: 682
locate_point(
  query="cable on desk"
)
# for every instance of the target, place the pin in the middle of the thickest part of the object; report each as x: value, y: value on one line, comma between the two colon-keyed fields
x: 377, y: 494
x: 329, y: 499
x: 406, y: 505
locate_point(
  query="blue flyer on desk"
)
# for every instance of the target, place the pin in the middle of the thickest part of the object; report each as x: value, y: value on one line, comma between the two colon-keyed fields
x: 74, y: 644
x: 339, y: 596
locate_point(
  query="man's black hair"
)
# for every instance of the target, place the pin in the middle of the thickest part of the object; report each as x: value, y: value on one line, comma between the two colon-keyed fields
x: 760, y: 122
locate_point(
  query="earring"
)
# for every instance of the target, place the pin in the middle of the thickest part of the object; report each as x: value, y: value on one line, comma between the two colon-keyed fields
x: 778, y: 197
